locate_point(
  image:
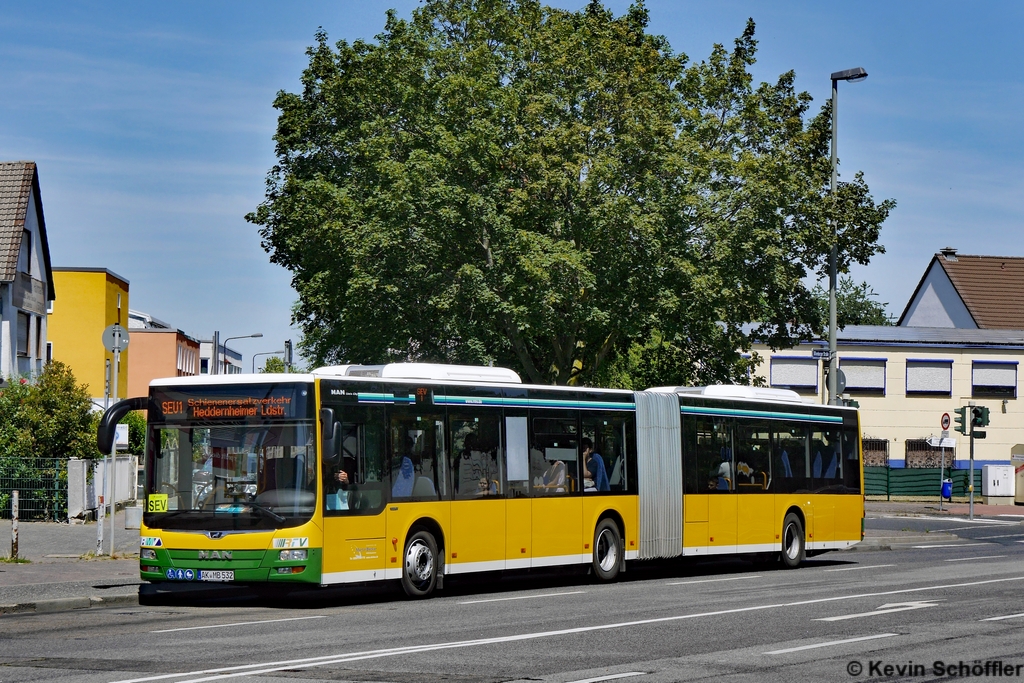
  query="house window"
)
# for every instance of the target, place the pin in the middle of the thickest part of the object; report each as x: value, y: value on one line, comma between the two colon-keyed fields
x: 994, y: 379
x: 25, y: 255
x: 24, y: 320
x: 930, y: 377
x: 204, y: 366
x: 49, y: 351
x: 799, y: 373
x: 40, y: 343
x: 864, y: 375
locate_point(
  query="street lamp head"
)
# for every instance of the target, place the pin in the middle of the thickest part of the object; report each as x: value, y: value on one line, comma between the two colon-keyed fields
x: 260, y: 334
x: 850, y: 75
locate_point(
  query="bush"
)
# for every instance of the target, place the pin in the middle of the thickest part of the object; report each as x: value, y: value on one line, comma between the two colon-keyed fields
x: 51, y: 418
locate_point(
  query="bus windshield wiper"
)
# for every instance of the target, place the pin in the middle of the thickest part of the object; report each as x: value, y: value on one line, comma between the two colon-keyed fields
x: 266, y: 511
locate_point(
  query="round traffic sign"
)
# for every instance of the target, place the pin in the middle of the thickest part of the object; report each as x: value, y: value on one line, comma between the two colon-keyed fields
x: 115, y: 338
x: 945, y: 421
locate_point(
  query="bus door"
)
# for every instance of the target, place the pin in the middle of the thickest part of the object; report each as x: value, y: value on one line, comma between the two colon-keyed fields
x: 354, y: 496
x: 419, y: 465
x: 479, y: 489
x: 826, y: 477
x: 695, y: 486
x: 518, y: 506
x: 755, y: 506
x: 716, y: 464
x: 557, y: 504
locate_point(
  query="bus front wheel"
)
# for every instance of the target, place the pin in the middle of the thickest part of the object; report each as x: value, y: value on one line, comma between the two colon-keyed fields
x: 419, y: 566
x: 607, y: 550
x: 793, y: 552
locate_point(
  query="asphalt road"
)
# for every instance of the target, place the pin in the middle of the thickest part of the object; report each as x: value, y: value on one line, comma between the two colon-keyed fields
x: 844, y: 617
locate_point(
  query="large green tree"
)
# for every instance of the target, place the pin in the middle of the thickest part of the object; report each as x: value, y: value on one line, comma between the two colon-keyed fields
x: 499, y: 181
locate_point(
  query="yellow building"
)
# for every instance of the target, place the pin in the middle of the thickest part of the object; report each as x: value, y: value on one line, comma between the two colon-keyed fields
x: 91, y: 299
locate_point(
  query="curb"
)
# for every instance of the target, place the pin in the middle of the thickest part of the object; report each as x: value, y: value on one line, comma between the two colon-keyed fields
x: 64, y: 604
x: 898, y: 542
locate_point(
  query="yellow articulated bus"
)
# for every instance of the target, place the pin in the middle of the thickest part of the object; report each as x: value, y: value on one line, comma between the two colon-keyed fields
x: 415, y: 472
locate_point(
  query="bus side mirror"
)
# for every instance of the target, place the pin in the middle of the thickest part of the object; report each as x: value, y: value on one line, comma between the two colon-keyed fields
x: 331, y: 434
x: 113, y: 415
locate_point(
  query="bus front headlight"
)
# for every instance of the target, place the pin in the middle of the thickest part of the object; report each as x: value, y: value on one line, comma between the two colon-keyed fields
x: 288, y: 555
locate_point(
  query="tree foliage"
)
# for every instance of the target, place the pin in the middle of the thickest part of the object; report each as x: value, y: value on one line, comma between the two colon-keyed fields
x: 273, y: 364
x: 51, y: 418
x: 855, y: 304
x: 499, y: 181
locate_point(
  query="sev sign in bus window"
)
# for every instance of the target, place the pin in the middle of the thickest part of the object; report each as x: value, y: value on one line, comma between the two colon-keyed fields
x: 253, y: 402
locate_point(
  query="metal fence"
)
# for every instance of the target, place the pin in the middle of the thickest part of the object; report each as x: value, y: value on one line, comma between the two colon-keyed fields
x: 42, y: 485
x: 920, y: 481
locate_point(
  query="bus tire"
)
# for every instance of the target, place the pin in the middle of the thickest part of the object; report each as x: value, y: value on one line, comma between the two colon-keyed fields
x: 607, y: 550
x: 419, y: 565
x: 793, y: 551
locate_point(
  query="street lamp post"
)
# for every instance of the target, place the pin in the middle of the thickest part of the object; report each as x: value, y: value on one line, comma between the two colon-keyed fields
x: 218, y: 345
x: 851, y: 75
x: 265, y: 353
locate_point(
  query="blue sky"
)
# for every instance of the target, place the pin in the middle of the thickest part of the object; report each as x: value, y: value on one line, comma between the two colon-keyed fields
x: 152, y: 125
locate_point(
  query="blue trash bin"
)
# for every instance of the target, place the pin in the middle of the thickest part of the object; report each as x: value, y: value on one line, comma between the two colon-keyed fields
x: 947, y: 488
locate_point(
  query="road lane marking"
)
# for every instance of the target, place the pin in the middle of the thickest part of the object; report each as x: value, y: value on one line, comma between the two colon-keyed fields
x: 951, y: 545
x: 968, y: 559
x: 239, y: 623
x: 521, y: 597
x: 1000, y: 536
x: 830, y: 643
x: 1008, y: 515
x: 885, y: 609
x: 1008, y: 616
x: 224, y: 673
x: 612, y: 677
x: 976, y: 522
x: 863, y: 566
x: 730, y: 578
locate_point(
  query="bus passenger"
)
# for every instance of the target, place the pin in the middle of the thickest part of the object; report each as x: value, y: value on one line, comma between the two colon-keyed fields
x: 593, y: 463
x: 404, y: 479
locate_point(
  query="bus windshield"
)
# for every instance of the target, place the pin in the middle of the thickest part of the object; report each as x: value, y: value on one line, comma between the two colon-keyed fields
x: 231, y: 477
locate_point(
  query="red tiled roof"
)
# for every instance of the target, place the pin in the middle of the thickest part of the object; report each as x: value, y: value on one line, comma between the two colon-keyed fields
x: 15, y: 189
x: 992, y: 288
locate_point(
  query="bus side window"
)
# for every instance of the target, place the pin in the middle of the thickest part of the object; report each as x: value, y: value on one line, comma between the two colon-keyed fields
x: 753, y: 471
x: 715, y: 454
x: 361, y: 457
x: 791, y: 453
x: 610, y: 435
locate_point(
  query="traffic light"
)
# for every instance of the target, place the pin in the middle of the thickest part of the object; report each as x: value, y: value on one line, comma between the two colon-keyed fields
x: 979, y: 416
x: 960, y: 421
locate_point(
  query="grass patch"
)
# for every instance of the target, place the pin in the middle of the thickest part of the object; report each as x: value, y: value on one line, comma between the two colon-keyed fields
x: 6, y: 559
x: 91, y: 555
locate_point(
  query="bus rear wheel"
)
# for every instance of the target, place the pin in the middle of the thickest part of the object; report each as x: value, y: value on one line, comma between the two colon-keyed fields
x: 419, y: 565
x: 607, y: 550
x: 793, y: 552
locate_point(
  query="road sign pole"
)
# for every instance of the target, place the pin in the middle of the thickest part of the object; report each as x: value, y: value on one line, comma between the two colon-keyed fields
x: 942, y: 475
x: 970, y: 484
x: 113, y: 448
x: 115, y: 339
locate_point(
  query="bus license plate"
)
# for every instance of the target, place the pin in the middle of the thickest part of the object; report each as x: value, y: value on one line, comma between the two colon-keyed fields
x: 217, y: 575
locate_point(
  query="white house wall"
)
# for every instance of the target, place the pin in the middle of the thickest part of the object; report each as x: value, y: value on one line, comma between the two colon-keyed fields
x: 937, y: 303
x: 897, y: 417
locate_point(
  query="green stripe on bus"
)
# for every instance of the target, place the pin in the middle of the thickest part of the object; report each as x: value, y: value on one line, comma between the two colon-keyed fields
x: 767, y: 414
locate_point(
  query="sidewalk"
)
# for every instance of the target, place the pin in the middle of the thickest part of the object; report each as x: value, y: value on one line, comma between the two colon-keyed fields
x: 955, y: 509
x: 63, y: 571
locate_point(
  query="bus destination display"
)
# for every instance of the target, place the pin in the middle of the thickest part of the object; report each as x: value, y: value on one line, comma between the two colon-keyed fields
x: 272, y: 403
